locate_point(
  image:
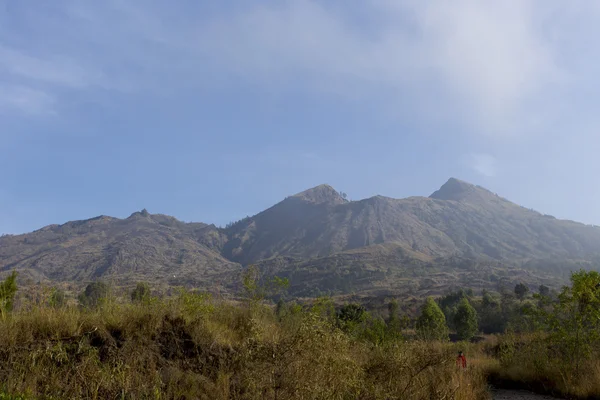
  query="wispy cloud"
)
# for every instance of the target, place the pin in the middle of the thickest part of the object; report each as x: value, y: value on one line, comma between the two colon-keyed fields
x: 58, y: 71
x: 488, y: 64
x: 25, y: 100
x: 483, y: 164
x: 488, y: 55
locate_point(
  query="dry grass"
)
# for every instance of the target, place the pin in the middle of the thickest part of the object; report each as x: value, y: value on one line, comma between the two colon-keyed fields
x: 193, y: 348
x: 530, y: 361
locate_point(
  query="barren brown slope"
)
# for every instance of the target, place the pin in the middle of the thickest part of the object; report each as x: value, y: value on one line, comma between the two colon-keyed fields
x: 458, y: 220
x: 389, y: 270
x: 141, y: 247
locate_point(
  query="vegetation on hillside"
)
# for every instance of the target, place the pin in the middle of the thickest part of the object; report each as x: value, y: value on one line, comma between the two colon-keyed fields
x: 559, y: 351
x: 193, y: 346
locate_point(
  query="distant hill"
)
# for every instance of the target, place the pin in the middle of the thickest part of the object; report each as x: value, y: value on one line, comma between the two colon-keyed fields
x: 141, y: 247
x: 460, y: 235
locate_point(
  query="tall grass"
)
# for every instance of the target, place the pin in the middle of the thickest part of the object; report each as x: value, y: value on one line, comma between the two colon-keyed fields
x: 194, y: 348
x: 534, y: 362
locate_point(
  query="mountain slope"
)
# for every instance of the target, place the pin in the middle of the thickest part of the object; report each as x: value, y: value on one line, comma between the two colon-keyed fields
x: 321, y: 241
x: 143, y: 246
x: 459, y: 219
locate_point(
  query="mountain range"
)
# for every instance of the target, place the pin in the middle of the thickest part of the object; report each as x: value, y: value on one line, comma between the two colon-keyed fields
x: 461, y: 235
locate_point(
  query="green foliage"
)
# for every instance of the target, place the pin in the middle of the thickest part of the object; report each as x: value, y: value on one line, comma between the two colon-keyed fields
x: 521, y: 290
x: 491, y: 318
x: 406, y: 322
x: 191, y: 347
x: 352, y: 313
x: 351, y: 319
x: 324, y: 308
x: 465, y: 320
x: 95, y: 295
x: 257, y: 289
x: 375, y: 331
x: 544, y: 291
x: 449, y: 303
x: 141, y: 293
x: 285, y: 310
x: 6, y: 396
x: 57, y: 298
x: 431, y: 324
x: 8, y: 289
x: 563, y: 354
x: 394, y: 324
x: 575, y: 320
x: 195, y: 304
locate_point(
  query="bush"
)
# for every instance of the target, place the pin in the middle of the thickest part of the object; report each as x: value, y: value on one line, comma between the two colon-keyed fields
x: 8, y: 289
x: 95, y: 295
x: 141, y: 293
x: 521, y: 291
x: 57, y: 298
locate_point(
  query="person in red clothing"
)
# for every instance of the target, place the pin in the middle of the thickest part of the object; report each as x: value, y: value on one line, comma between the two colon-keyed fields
x: 461, y: 360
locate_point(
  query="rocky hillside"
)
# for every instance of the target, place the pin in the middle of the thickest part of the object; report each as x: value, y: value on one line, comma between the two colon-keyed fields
x: 323, y: 242
x: 141, y: 247
x: 460, y: 219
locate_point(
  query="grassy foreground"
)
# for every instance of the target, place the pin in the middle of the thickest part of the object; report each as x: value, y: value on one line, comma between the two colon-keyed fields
x: 195, y: 348
x: 534, y: 362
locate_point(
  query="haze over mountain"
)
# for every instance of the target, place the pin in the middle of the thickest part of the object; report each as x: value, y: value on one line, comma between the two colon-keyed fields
x: 323, y: 242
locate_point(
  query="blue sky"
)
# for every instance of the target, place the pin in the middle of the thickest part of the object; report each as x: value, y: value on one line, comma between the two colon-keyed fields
x: 211, y: 111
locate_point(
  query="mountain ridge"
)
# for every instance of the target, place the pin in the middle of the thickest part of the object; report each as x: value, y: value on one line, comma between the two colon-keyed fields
x: 316, y: 229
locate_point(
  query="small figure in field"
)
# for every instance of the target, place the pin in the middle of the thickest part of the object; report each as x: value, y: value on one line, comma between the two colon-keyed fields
x: 461, y: 360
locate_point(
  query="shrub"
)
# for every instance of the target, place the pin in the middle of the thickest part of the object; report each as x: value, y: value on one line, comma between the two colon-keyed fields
x: 95, y: 295
x: 57, y: 298
x: 141, y: 293
x: 8, y: 289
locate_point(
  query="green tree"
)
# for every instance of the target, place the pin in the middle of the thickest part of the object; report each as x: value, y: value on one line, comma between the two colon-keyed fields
x: 8, y: 289
x: 351, y: 318
x: 257, y: 288
x: 375, y: 331
x: 57, y: 298
x: 324, y: 307
x: 490, y: 315
x: 393, y: 323
x: 449, y: 303
x: 544, y: 291
x: 431, y: 324
x: 465, y: 320
x: 405, y: 322
x: 575, y: 320
x: 521, y: 291
x: 95, y: 294
x: 352, y: 313
x: 141, y: 293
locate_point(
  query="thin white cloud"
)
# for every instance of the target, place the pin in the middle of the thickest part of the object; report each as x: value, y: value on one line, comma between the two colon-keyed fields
x: 483, y: 164
x: 485, y: 64
x: 489, y: 60
x: 56, y: 70
x: 25, y: 100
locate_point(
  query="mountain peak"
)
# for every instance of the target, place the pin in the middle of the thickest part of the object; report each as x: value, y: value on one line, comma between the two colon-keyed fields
x: 144, y: 213
x: 320, y: 194
x: 455, y: 189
